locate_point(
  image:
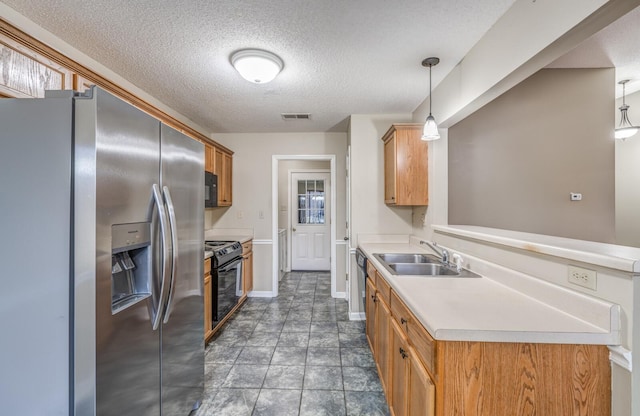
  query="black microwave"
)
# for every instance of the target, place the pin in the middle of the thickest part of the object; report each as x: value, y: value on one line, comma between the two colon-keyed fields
x: 210, y: 190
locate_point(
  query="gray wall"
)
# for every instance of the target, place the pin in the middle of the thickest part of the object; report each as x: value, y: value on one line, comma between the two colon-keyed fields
x: 513, y: 163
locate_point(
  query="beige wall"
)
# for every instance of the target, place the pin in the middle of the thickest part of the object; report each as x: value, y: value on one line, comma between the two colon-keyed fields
x: 252, y: 194
x: 628, y: 178
x: 513, y: 163
x: 369, y: 214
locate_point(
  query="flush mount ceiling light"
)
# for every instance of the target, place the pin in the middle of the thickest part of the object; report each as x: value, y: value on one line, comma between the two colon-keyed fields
x: 626, y: 129
x: 430, y: 131
x: 256, y: 65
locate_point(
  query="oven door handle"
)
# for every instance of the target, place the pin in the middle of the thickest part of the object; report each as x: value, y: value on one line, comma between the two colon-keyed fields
x: 229, y: 266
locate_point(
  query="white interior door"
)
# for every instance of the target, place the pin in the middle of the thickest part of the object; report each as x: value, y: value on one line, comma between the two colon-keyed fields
x: 310, y: 221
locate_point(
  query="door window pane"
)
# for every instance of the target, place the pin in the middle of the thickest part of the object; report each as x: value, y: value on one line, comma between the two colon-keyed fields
x: 311, y: 202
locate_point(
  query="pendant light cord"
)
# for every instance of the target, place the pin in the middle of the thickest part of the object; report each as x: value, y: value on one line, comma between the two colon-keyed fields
x: 430, y: 66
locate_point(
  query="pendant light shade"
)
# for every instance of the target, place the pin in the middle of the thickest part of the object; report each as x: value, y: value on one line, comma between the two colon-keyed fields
x: 626, y: 129
x: 256, y: 65
x: 430, y: 131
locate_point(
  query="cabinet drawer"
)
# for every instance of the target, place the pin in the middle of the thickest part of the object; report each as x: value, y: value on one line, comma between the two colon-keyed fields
x: 400, y: 312
x: 424, y: 345
x: 371, y: 272
x: 207, y: 266
x: 247, y: 247
x: 383, y: 288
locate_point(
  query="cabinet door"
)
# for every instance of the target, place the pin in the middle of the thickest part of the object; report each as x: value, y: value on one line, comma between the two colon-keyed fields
x: 223, y: 167
x: 383, y: 336
x: 247, y: 272
x: 390, y: 171
x: 208, y: 158
x: 370, y: 313
x: 399, y: 371
x: 421, y: 396
x: 27, y: 74
x: 227, y: 167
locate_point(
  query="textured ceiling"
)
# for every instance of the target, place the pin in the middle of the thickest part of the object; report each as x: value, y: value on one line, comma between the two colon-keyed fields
x: 341, y: 57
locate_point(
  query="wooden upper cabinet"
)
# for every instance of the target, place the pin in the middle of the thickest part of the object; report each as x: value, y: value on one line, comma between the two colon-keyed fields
x: 223, y: 167
x: 220, y: 163
x: 405, y: 165
x: 208, y: 158
x: 27, y: 74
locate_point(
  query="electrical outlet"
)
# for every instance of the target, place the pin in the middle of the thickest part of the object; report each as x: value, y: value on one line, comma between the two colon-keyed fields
x: 582, y: 277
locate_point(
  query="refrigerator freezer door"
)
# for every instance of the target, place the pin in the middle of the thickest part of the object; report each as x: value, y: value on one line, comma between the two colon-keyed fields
x: 182, y: 335
x: 127, y: 166
x: 35, y: 149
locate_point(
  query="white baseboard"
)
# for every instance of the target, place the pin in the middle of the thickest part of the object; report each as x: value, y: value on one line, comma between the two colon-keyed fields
x: 357, y: 316
x: 340, y: 295
x: 260, y: 294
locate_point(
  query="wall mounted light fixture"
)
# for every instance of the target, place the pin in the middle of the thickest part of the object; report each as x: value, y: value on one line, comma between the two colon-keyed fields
x: 430, y: 131
x: 626, y: 129
x: 256, y: 65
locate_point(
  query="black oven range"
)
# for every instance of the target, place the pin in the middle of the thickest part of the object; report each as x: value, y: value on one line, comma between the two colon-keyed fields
x: 226, y: 277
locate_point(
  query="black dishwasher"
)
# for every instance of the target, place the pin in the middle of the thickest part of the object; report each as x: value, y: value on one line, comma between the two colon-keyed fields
x: 361, y: 259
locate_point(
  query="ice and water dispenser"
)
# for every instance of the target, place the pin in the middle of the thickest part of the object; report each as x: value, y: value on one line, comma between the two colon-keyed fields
x: 130, y: 264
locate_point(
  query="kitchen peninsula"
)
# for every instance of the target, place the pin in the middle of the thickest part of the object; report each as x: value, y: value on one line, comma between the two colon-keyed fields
x: 544, y: 349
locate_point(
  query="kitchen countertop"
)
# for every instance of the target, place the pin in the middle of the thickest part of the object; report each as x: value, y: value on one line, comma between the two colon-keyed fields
x: 482, y: 309
x: 207, y: 254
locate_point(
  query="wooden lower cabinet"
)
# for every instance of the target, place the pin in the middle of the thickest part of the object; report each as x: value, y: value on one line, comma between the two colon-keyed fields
x: 486, y: 379
x: 412, y: 390
x: 400, y: 370
x: 382, y: 338
x: 426, y: 377
x: 207, y: 298
x: 247, y: 266
x: 370, y: 312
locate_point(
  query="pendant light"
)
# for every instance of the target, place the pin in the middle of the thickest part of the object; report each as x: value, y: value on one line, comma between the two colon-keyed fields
x: 256, y: 65
x: 626, y: 129
x: 430, y: 131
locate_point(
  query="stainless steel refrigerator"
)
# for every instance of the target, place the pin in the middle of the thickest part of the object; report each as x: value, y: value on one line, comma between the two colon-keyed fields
x: 101, y: 297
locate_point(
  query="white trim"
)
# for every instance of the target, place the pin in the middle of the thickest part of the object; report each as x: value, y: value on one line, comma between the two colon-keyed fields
x: 352, y: 251
x: 341, y: 295
x: 626, y: 259
x: 357, y: 316
x: 341, y: 243
x: 275, y: 272
x: 620, y: 356
x: 260, y: 294
x: 262, y: 242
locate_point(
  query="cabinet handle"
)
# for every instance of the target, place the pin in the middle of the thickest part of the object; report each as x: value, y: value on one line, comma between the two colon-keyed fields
x: 403, y: 353
x: 403, y: 321
x: 373, y: 297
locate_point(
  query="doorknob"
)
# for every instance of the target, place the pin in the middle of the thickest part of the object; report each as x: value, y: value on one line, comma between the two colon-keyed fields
x: 293, y: 229
x: 346, y: 239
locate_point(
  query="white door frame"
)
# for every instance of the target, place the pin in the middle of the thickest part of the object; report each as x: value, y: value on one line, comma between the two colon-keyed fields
x: 275, y: 159
x: 290, y: 208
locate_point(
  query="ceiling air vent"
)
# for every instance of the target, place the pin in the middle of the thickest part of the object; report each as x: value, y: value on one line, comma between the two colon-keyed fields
x: 296, y: 116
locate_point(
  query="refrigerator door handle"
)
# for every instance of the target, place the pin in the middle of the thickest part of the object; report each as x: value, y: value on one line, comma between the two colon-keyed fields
x: 162, y: 215
x: 174, y: 243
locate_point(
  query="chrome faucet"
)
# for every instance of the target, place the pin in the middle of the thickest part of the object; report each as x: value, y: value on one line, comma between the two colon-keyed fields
x: 441, y: 251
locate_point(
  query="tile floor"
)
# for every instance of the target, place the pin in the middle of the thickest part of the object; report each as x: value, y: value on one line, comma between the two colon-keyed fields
x: 297, y: 354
